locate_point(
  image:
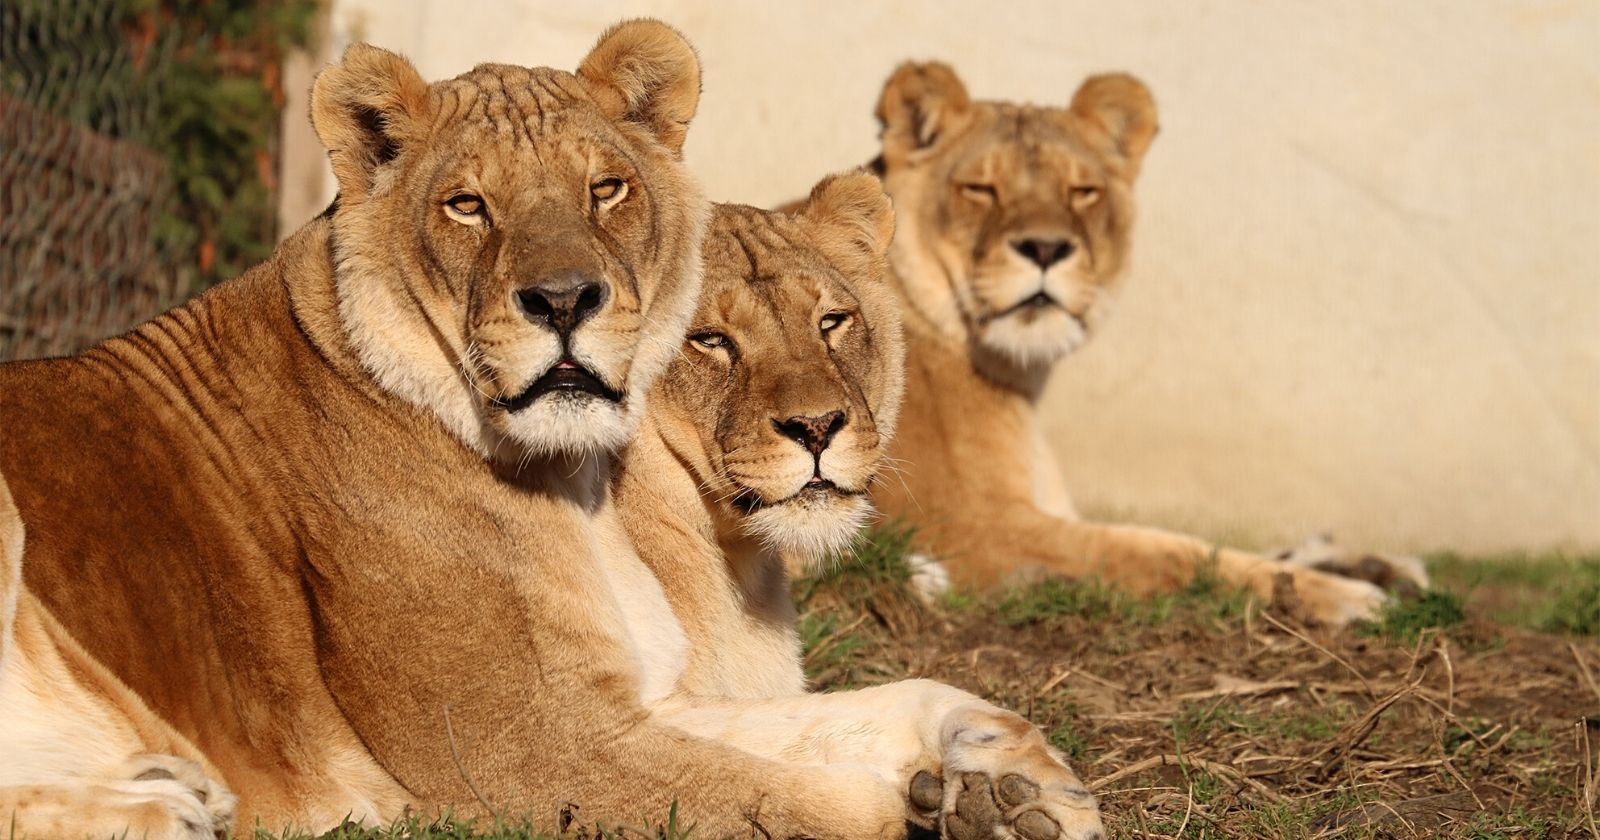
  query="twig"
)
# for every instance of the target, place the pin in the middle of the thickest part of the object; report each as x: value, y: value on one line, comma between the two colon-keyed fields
x: 450, y: 735
x: 1170, y: 760
x: 1246, y: 690
x: 1324, y: 651
x: 1583, y: 668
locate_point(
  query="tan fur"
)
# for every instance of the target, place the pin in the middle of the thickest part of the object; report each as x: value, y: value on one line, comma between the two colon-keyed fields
x: 796, y: 321
x: 84, y: 756
x: 344, y: 522
x: 1014, y: 229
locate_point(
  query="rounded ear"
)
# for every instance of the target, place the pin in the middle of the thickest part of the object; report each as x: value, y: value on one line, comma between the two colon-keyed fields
x: 366, y: 109
x: 921, y: 104
x: 1122, y: 108
x: 854, y: 220
x: 645, y: 72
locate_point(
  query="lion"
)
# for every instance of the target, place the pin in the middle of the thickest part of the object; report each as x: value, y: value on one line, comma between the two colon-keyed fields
x: 1014, y: 229
x: 345, y: 523
x: 102, y: 764
x: 760, y: 443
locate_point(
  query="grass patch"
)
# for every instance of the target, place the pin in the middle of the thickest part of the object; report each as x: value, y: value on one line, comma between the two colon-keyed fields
x: 1553, y: 592
x: 1205, y: 597
x: 450, y: 828
x: 1402, y: 621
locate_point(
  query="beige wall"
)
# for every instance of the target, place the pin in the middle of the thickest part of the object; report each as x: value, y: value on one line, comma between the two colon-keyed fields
x: 1366, y: 290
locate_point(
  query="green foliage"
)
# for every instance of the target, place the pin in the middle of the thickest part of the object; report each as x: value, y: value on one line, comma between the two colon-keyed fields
x: 195, y: 81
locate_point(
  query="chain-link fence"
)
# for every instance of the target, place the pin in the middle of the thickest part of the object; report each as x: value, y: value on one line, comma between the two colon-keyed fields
x: 137, y: 157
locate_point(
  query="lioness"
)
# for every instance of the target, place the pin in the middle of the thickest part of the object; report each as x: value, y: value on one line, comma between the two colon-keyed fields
x: 762, y: 439
x: 1014, y: 225
x: 94, y: 761
x: 344, y: 523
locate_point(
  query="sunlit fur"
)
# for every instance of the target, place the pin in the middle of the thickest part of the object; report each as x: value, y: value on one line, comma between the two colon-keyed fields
x: 772, y: 281
x: 977, y: 181
x: 429, y: 296
x: 978, y: 186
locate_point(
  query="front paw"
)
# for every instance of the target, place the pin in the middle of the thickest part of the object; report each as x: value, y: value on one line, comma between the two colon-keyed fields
x: 1000, y: 779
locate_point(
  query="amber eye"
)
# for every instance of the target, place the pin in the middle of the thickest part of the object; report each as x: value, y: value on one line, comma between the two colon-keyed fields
x: 982, y: 193
x: 465, y: 208
x: 832, y: 321
x: 608, y: 192
x: 710, y: 341
x: 1085, y: 196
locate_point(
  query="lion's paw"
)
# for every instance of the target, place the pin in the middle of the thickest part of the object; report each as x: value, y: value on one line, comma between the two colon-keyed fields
x: 1328, y: 599
x: 1401, y: 575
x: 174, y: 797
x: 1000, y: 779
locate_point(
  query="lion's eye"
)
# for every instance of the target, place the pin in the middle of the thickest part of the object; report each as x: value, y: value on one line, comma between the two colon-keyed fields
x: 710, y: 341
x: 608, y: 192
x: 832, y: 321
x: 465, y: 208
x: 983, y: 193
x: 1085, y: 196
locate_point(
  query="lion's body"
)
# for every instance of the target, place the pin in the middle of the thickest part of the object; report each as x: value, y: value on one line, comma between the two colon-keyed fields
x: 1015, y: 226
x: 346, y: 523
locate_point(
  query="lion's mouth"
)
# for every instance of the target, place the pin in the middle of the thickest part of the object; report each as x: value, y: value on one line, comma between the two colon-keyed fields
x: 749, y: 501
x: 1036, y: 304
x: 566, y: 378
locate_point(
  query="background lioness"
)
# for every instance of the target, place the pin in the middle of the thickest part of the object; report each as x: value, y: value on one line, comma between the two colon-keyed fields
x: 1014, y: 225
x: 762, y: 439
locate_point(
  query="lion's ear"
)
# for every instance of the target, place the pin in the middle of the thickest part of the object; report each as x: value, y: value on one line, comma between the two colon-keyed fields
x: 645, y: 72
x: 1121, y: 107
x: 921, y: 104
x: 854, y: 220
x: 366, y: 109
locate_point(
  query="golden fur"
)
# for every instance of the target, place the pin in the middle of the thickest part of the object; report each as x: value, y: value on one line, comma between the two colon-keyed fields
x: 1014, y: 228
x: 761, y: 439
x: 345, y: 523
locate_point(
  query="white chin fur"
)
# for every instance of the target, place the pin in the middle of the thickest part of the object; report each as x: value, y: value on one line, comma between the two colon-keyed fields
x: 810, y: 528
x: 1043, y: 341
x: 560, y: 424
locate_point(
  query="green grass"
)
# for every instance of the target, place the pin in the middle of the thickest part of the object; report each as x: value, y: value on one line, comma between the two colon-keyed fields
x: 1207, y: 596
x: 1553, y: 593
x: 1403, y: 621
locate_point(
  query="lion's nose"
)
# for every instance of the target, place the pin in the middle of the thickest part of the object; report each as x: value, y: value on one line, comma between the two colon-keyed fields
x: 814, y: 433
x: 1043, y: 252
x: 563, y: 302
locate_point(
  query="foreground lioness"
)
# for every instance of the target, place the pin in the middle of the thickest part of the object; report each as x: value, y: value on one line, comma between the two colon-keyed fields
x: 1013, y: 232
x: 83, y: 756
x: 344, y: 523
x: 762, y: 438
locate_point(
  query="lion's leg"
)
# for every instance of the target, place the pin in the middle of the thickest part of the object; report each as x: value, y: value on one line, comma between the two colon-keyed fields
x: 1149, y: 560
x: 71, y: 762
x: 974, y: 769
x: 149, y: 796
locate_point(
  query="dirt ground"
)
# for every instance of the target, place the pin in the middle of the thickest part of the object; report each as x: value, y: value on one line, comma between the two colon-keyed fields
x: 1204, y: 716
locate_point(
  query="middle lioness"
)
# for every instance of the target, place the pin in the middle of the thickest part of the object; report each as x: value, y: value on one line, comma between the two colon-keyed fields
x: 762, y: 438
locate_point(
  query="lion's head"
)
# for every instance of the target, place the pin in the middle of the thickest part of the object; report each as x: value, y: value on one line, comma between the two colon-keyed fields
x: 1013, y: 219
x: 517, y: 248
x: 786, y: 391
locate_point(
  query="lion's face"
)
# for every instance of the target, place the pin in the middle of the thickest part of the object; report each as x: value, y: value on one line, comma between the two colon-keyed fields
x: 789, y: 381
x: 518, y: 247
x: 1023, y: 211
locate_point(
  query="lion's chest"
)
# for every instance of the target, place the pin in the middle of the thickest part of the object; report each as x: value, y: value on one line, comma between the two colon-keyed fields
x: 648, y: 627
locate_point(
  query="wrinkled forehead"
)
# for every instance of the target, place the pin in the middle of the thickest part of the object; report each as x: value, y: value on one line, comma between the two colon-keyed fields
x: 761, y: 267
x: 1008, y: 140
x: 511, y: 108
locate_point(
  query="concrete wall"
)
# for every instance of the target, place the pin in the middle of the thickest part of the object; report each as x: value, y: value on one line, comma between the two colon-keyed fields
x: 1366, y: 286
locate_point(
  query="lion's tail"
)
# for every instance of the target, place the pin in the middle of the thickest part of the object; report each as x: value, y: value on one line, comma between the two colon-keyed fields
x: 10, y: 568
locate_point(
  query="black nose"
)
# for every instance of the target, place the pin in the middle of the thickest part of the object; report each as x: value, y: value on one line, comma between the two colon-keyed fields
x: 814, y: 433
x: 563, y: 302
x: 1044, y: 252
